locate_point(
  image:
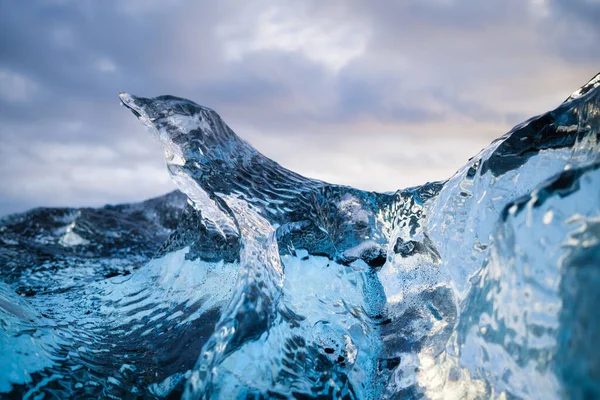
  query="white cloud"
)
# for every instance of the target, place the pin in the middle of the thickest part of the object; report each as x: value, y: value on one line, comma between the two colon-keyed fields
x: 53, y: 173
x: 16, y: 87
x: 143, y: 7
x: 106, y: 65
x: 63, y: 37
x: 540, y: 8
x: 322, y: 39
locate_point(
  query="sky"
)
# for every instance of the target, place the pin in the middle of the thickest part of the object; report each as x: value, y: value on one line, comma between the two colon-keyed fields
x: 379, y: 95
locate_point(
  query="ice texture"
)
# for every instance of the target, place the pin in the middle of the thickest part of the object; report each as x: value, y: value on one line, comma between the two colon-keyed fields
x: 256, y: 282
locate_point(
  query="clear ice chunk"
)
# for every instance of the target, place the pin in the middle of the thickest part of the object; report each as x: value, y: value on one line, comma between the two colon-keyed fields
x: 256, y: 282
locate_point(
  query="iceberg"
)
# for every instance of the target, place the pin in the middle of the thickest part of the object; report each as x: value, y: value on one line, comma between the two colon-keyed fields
x: 253, y: 281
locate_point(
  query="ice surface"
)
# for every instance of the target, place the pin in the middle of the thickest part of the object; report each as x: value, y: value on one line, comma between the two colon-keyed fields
x: 257, y: 282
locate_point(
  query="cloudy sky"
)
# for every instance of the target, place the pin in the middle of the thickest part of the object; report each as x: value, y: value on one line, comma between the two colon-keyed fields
x: 375, y: 94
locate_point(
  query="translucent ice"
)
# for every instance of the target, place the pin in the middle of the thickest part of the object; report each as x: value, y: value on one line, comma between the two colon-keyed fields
x: 272, y: 285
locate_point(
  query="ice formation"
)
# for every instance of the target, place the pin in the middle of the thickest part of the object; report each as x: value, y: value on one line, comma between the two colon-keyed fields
x: 268, y: 284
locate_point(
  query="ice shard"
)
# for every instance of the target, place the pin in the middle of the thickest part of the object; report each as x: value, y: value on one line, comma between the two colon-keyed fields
x: 268, y: 284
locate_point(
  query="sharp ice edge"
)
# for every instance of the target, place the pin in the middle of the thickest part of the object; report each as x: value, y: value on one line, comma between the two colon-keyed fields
x: 274, y: 285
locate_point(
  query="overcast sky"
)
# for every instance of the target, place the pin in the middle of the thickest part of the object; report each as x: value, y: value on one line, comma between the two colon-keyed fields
x: 376, y: 94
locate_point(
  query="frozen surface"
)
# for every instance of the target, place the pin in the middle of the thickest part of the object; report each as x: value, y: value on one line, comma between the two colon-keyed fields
x: 256, y: 282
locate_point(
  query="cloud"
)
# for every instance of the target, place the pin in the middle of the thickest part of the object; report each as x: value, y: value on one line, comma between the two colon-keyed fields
x: 379, y: 95
x: 106, y: 65
x: 54, y: 173
x: 15, y: 87
x: 291, y: 28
